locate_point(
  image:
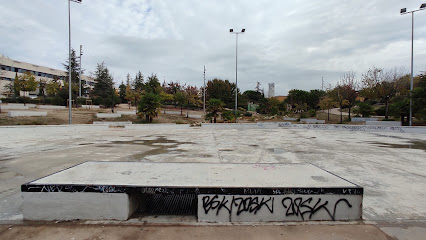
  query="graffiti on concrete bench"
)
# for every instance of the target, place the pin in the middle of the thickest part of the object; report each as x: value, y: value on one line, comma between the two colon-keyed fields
x: 278, y: 207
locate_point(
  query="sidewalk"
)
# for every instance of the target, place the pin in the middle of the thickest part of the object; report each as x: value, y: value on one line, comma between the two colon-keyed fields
x: 299, y: 232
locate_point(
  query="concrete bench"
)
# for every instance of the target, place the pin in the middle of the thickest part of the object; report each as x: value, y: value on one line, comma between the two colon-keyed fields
x: 363, y: 119
x: 383, y: 123
x: 289, y: 119
x: 112, y: 123
x: 311, y: 120
x: 212, y: 192
x: 51, y: 107
x: 126, y: 112
x: 108, y: 115
x: 29, y: 105
x: 26, y: 114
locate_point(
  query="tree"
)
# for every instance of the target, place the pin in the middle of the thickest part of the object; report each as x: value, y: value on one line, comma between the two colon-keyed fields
x: 138, y: 82
x: 153, y: 85
x: 382, y: 84
x: 270, y: 106
x: 75, y: 68
x: 214, y: 106
x: 122, y: 92
x: 53, y: 87
x: 222, y: 90
x: 297, y: 98
x: 364, y: 109
x: 26, y: 83
x: 326, y: 102
x: 150, y: 105
x: 253, y: 96
x: 336, y: 95
x: 181, y: 98
x: 104, y: 86
x: 41, y: 88
x: 419, y: 97
x: 347, y: 87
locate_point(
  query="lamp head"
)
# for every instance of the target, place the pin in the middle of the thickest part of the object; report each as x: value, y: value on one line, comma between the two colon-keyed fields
x: 243, y: 30
x: 423, y: 6
x: 403, y: 10
x: 231, y: 30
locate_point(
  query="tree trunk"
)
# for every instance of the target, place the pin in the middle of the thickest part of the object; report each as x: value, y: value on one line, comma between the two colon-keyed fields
x: 180, y: 109
x: 214, y: 117
x: 341, y: 115
x: 386, y: 108
x: 349, y: 114
x: 328, y: 114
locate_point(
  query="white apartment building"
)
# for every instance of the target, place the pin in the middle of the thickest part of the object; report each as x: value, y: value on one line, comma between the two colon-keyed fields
x: 9, y: 68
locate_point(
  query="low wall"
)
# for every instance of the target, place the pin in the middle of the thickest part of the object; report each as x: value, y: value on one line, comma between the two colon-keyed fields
x: 26, y: 114
x: 29, y: 105
x: 363, y: 119
x: 113, y: 123
x: 336, y: 127
x: 289, y: 119
x: 108, y: 115
x: 126, y: 112
x: 194, y: 116
x: 173, y: 112
x: 311, y: 120
x: 91, y: 106
x: 383, y: 123
x: 51, y: 107
x: 14, y: 107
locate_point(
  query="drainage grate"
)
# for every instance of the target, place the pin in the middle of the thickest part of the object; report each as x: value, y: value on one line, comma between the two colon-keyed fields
x: 176, y: 204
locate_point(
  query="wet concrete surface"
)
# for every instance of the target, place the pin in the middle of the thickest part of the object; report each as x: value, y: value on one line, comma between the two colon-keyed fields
x: 390, y: 166
x: 301, y: 232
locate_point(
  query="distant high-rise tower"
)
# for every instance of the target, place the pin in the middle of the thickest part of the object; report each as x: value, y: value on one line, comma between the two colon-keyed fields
x: 271, y: 91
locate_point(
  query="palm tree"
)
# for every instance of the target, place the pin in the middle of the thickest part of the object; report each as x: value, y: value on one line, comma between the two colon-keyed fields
x: 215, y: 106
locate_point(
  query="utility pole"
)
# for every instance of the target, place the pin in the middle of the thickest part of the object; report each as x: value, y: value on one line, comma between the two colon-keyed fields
x: 81, y: 53
x: 322, y: 83
x: 204, y: 90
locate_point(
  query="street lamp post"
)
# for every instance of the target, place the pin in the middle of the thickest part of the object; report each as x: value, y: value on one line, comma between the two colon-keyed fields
x: 404, y: 11
x: 79, y: 79
x: 236, y: 67
x: 69, y: 53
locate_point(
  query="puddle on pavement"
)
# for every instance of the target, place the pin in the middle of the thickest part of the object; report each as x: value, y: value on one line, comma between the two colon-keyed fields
x: 412, y: 145
x: 160, y: 145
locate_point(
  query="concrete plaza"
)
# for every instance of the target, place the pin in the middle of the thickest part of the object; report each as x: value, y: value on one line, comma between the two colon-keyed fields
x: 390, y: 166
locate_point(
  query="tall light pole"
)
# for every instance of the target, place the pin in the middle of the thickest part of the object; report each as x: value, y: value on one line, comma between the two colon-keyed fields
x: 236, y: 68
x: 69, y: 53
x: 204, y: 90
x: 79, y: 78
x: 404, y: 11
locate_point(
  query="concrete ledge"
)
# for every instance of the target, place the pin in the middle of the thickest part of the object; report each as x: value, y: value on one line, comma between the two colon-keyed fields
x: 108, y: 115
x: 194, y: 116
x: 113, y: 123
x: 126, y: 112
x: 311, y: 120
x: 17, y: 107
x: 289, y: 119
x: 26, y: 114
x: 173, y: 112
x: 50, y: 107
x: 363, y: 119
x: 29, y: 105
x: 91, y: 106
x: 273, y: 208
x: 76, y: 205
x: 383, y: 123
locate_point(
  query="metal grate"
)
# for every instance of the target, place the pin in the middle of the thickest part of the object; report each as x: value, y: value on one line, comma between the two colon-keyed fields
x: 176, y: 204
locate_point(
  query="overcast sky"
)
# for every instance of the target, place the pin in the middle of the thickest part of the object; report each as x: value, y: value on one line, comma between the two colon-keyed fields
x: 289, y: 43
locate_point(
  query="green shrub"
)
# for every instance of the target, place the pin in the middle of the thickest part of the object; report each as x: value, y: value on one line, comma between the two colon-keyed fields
x: 312, y: 112
x: 381, y: 111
